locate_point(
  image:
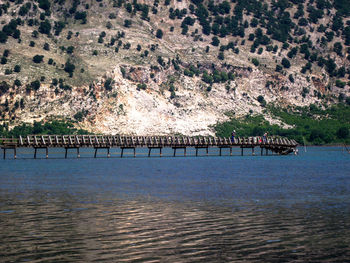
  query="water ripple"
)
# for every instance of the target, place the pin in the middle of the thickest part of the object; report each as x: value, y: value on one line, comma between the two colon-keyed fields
x: 141, y: 232
x: 124, y: 211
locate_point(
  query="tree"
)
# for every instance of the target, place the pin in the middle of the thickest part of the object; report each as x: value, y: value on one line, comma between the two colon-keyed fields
x: 261, y: 100
x: 184, y: 30
x: 338, y: 48
x: 6, y: 53
x: 45, y: 27
x: 292, y: 53
x: 38, y: 59
x: 17, y: 68
x: 285, y: 63
x: 46, y: 46
x: 35, y: 85
x: 347, y: 101
x: 337, y: 23
x: 79, y: 116
x: 112, y: 16
x: 70, y: 49
x: 3, y: 60
x: 254, y: 22
x: 44, y: 4
x: 291, y: 78
x: 24, y: 9
x: 17, y: 83
x: 69, y: 68
x: 80, y: 15
x: 128, y: 7
x: 340, y: 84
x: 4, y: 87
x: 109, y: 25
x: 317, y: 135
x: 127, y: 23
x: 35, y: 34
x: 3, y: 37
x: 302, y: 22
x: 159, y: 34
x: 215, y: 41
x: 58, y: 26
x: 343, y: 133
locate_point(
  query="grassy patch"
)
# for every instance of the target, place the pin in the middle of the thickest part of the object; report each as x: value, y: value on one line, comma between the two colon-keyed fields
x: 311, y: 123
x: 55, y: 127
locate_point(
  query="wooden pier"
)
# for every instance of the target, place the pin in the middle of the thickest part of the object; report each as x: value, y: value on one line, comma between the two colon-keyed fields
x: 275, y: 145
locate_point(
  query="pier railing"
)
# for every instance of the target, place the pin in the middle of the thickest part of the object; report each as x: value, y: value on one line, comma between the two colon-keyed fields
x: 275, y: 144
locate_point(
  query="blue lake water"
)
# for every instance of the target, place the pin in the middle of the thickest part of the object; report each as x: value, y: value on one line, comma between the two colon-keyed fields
x: 182, y: 209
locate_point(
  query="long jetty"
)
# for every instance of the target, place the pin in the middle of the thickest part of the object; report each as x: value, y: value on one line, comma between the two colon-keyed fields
x: 276, y: 145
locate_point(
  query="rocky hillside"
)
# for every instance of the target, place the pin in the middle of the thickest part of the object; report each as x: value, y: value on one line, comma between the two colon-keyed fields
x: 165, y: 66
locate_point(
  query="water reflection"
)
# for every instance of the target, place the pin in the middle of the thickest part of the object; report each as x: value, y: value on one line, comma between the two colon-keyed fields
x: 227, y: 209
x: 64, y: 227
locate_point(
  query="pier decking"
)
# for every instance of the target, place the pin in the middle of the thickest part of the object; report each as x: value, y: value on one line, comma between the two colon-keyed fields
x: 277, y: 145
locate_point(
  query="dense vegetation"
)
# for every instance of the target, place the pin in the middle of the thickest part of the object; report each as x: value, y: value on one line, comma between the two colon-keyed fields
x: 55, y: 127
x: 310, y: 124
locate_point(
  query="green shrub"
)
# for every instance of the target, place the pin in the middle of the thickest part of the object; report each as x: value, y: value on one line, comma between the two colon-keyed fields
x: 142, y: 86
x: 340, y: 84
x: 255, y: 62
x: 188, y: 73
x: 108, y: 85
x: 112, y: 16
x: 278, y: 68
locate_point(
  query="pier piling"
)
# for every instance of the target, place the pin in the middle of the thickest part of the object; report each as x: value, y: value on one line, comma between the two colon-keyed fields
x: 95, y: 152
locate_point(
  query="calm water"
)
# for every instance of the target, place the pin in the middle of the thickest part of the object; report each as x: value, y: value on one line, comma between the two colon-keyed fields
x: 205, y: 209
